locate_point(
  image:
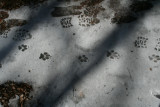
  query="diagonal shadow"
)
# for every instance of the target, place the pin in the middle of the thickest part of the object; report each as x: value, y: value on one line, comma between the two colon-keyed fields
x: 50, y: 96
x: 123, y: 98
x: 41, y: 15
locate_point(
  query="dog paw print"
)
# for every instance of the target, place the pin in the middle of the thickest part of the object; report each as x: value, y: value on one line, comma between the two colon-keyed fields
x: 141, y: 42
x: 22, y: 34
x: 154, y: 58
x: 83, y: 58
x: 89, y: 15
x: 157, y: 48
x: 44, y: 56
x: 66, y: 22
x: 4, y: 34
x: 87, y: 21
x: 23, y: 47
x: 113, y: 55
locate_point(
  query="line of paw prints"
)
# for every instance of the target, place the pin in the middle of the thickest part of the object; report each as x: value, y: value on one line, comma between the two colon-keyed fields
x: 66, y: 22
x: 113, y: 55
x: 23, y: 47
x: 141, y: 42
x: 22, y: 34
x: 82, y: 58
x: 45, y: 56
x: 154, y: 58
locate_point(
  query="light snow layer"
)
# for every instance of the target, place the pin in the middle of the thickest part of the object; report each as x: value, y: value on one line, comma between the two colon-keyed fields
x: 130, y: 81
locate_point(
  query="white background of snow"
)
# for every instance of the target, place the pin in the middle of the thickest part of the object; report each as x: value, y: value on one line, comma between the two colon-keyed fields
x: 64, y: 47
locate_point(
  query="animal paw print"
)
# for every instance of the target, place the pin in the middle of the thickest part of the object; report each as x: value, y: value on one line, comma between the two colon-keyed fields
x: 22, y: 34
x: 154, y: 58
x: 4, y: 34
x: 89, y: 17
x: 141, y: 42
x: 23, y: 47
x: 66, y: 22
x: 113, y: 55
x: 44, y: 56
x: 157, y: 48
x: 87, y: 21
x: 83, y: 58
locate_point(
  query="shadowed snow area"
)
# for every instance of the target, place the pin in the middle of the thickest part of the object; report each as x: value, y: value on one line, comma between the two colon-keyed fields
x: 79, y: 53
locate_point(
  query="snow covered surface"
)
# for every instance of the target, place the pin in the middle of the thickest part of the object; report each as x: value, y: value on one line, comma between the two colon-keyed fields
x: 127, y: 78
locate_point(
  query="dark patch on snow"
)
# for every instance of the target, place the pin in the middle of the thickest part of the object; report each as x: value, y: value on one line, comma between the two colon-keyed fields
x: 129, y: 14
x: 6, y: 25
x: 66, y: 11
x: 123, y: 17
x: 10, y: 89
x: 138, y: 6
x: 15, y: 4
x: 3, y: 15
x: 87, y: 11
x: 114, y: 4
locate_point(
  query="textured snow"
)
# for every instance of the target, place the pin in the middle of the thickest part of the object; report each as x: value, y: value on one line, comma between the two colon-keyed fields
x: 102, y: 81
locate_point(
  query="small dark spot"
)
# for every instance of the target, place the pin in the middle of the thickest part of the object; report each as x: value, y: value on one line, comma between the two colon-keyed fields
x: 41, y: 56
x: 74, y: 89
x: 150, y: 69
